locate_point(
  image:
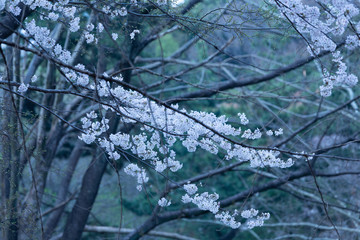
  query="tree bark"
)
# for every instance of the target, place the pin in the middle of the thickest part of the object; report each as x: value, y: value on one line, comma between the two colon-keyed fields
x: 9, y: 159
x: 53, y: 220
x: 9, y: 23
x: 89, y: 188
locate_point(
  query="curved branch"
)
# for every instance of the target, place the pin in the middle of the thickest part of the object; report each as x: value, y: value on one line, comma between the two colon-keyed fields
x: 157, y: 220
x: 249, y: 81
x: 104, y: 229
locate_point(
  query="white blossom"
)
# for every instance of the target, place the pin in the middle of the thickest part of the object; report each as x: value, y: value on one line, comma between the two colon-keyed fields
x: 114, y: 36
x: 259, y: 221
x: 89, y: 37
x: 243, y: 118
x: 190, y: 188
x: 228, y: 219
x: 132, y: 34
x: 34, y: 78
x: 23, y: 88
x: 133, y: 170
x: 74, y: 24
x: 278, y: 132
x: 90, y: 27
x: 269, y: 133
x: 249, y: 213
x: 53, y: 16
x: 122, y: 12
x: 163, y: 202
x: 100, y: 27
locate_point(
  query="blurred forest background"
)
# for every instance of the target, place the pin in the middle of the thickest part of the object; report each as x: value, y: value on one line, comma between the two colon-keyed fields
x: 225, y: 57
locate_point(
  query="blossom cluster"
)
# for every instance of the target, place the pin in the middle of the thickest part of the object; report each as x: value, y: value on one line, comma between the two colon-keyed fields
x: 161, y: 129
x: 319, y: 28
x: 135, y: 171
x: 163, y: 202
x: 76, y: 77
x: 228, y: 219
x: 23, y: 88
x: 171, y: 126
x: 340, y: 78
x: 208, y: 202
x: 258, y: 221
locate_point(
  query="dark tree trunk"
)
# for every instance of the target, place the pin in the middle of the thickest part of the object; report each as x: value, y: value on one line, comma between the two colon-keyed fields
x: 53, y: 220
x: 89, y: 188
x: 9, y: 23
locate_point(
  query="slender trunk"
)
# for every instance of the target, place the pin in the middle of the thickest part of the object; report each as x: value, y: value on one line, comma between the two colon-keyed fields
x: 89, y: 188
x: 53, y: 220
x: 9, y: 183
x: 9, y: 159
x: 48, y: 138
